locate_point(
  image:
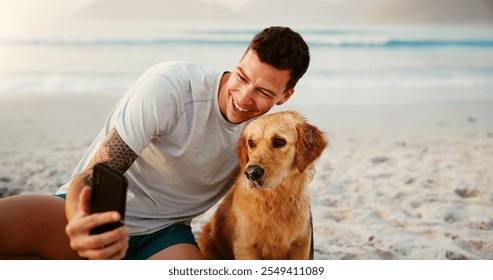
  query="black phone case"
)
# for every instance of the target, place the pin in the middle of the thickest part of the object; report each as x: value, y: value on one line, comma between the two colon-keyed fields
x: 109, y: 193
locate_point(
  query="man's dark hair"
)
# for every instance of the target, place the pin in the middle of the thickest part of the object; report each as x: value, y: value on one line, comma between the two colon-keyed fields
x: 284, y: 49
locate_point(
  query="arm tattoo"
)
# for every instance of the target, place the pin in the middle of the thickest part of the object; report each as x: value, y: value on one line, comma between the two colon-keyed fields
x: 87, y: 180
x: 115, y: 153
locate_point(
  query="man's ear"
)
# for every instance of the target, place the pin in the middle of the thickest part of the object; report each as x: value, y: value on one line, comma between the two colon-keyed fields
x: 287, y: 95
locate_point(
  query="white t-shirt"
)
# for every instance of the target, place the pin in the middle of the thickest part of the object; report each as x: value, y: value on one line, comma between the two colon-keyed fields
x: 186, y: 149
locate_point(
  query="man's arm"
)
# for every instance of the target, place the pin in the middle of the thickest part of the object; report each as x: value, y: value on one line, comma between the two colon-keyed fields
x: 109, y: 245
x: 115, y: 153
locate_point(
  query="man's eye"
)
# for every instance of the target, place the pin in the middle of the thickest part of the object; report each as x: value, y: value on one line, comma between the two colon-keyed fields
x: 241, y: 77
x: 264, y: 94
x: 278, y: 142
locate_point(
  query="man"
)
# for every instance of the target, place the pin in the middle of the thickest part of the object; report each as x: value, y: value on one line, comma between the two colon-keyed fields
x: 174, y: 135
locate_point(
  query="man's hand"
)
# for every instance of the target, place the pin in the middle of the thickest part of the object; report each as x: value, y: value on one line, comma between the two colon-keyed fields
x: 109, y: 245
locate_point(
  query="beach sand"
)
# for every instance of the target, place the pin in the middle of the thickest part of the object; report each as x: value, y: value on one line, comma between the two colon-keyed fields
x: 397, y: 182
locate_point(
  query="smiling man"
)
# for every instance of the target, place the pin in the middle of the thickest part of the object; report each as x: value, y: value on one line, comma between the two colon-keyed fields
x: 174, y: 136
x: 253, y: 89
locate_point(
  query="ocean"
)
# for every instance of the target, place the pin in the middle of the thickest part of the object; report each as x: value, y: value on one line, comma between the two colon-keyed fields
x: 349, y: 65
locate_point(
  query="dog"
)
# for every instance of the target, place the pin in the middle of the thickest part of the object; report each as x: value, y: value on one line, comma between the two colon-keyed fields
x: 266, y: 214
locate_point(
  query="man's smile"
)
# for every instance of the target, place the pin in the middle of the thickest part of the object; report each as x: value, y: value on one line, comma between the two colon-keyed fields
x: 238, y: 108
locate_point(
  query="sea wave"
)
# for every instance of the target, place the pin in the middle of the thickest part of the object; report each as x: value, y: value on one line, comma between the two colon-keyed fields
x: 220, y: 39
x: 81, y: 83
x: 382, y: 42
x: 464, y: 80
x: 64, y: 83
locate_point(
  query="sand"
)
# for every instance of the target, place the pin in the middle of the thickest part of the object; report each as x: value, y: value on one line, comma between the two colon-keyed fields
x: 397, y: 182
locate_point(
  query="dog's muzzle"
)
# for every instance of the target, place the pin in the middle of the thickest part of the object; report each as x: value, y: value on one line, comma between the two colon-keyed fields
x: 254, y: 172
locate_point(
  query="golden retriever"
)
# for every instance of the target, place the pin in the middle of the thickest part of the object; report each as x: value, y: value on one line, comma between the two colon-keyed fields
x: 266, y: 214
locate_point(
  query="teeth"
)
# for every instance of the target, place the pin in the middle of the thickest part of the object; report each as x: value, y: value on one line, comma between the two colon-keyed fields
x: 238, y: 107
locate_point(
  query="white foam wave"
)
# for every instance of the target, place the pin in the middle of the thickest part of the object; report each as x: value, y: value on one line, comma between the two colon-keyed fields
x: 64, y: 83
x: 402, y: 81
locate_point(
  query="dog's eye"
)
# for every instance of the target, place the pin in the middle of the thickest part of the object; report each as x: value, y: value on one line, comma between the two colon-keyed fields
x: 278, y: 143
x: 251, y: 144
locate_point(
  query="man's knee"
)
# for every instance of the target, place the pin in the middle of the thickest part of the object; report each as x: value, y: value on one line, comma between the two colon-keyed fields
x: 179, y: 252
x: 33, y: 226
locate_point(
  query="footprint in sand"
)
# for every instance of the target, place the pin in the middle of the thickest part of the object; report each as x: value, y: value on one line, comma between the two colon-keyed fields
x: 455, y: 256
x: 453, y: 216
x: 466, y: 193
x: 473, y: 249
x: 5, y: 192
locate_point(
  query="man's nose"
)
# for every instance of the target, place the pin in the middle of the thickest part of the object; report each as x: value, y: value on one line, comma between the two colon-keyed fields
x: 246, y: 95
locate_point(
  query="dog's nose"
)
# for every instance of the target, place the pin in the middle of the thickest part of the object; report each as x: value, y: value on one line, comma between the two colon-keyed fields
x: 254, y: 172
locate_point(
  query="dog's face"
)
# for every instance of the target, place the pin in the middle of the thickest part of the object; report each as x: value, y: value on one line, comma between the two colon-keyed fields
x: 276, y: 146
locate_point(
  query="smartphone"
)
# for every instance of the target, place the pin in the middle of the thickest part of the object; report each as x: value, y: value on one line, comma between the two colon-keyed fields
x: 109, y: 193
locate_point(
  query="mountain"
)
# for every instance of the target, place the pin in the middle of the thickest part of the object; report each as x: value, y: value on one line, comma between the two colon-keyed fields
x: 371, y: 11
x: 154, y: 10
x: 295, y: 11
x: 306, y: 11
x: 434, y: 11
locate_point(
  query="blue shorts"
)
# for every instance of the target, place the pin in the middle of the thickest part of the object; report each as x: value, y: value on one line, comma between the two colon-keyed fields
x: 142, y: 247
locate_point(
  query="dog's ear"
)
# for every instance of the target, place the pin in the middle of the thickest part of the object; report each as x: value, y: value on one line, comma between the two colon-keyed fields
x: 311, y: 144
x: 242, y: 151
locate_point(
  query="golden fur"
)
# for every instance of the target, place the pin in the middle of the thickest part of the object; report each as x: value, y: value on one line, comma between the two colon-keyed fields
x: 266, y: 215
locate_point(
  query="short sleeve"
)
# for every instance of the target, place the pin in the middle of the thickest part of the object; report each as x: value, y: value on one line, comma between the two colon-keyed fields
x: 150, y: 109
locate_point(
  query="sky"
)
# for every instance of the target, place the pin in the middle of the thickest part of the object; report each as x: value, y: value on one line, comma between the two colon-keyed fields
x: 25, y: 10
x: 233, y: 4
x: 19, y: 15
x: 16, y: 15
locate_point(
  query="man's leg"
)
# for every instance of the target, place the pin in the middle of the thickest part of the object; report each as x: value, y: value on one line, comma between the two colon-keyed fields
x: 179, y: 252
x: 33, y: 227
x: 175, y: 242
